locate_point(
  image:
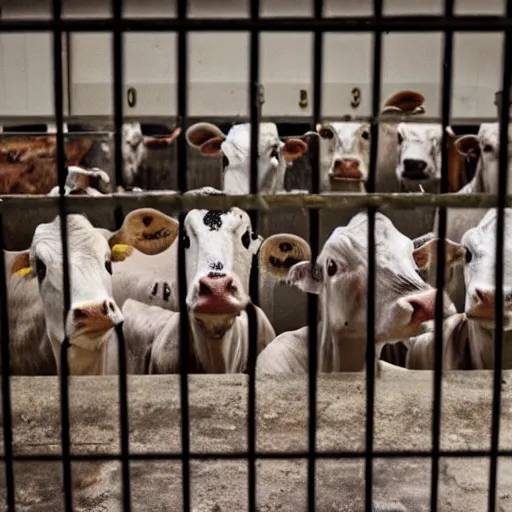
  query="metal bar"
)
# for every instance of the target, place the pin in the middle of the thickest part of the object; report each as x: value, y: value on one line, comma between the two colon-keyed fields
x: 254, y: 113
x: 6, y: 386
x: 370, y: 322
x: 499, y: 271
x: 117, y: 92
x: 61, y: 175
x: 314, y: 224
x: 426, y: 23
x: 272, y: 455
x: 182, y: 100
x: 438, y: 328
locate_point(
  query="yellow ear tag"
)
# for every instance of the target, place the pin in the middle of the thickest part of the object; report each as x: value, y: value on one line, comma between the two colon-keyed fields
x: 121, y: 251
x: 24, y: 271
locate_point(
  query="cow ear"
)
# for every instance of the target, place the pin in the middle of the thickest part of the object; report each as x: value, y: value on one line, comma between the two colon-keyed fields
x: 425, y: 254
x: 325, y: 131
x: 147, y: 230
x: 21, y: 265
x: 212, y: 147
x: 199, y: 133
x: 162, y: 142
x: 294, y: 148
x: 405, y: 102
x: 305, y: 277
x: 280, y: 252
x: 468, y: 146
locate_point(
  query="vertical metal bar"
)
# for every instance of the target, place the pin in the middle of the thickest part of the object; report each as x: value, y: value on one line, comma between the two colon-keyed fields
x: 117, y: 92
x: 314, y: 226
x: 370, y: 322
x: 182, y: 160
x: 500, y: 227
x: 6, y: 385
x: 254, y: 111
x: 61, y: 175
x: 440, y: 277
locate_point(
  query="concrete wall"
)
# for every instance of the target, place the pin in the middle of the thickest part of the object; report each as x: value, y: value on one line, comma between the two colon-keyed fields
x: 218, y: 422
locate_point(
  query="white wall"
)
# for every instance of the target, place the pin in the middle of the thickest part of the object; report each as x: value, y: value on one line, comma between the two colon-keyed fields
x: 219, y: 62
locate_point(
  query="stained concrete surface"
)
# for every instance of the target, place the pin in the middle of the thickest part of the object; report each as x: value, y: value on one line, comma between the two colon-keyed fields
x: 218, y: 422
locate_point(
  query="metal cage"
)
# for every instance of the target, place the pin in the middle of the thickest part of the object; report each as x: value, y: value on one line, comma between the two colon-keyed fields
x: 182, y: 25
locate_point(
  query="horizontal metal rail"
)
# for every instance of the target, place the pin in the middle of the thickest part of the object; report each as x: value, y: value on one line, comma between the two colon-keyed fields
x: 186, y: 203
x: 436, y: 23
x: 377, y: 454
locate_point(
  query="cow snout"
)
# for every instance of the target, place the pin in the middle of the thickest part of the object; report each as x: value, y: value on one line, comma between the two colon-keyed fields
x: 415, y: 169
x: 346, y: 168
x: 96, y: 316
x: 218, y: 294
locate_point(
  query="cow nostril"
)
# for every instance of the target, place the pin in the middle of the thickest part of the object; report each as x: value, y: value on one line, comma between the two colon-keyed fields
x: 204, y: 289
x: 147, y: 220
x: 111, y: 306
x: 104, y: 308
x: 79, y: 314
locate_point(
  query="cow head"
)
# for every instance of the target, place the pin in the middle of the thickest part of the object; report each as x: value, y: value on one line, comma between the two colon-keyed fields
x: 477, y: 253
x: 403, y: 301
x: 91, y: 252
x: 485, y: 146
x: 273, y: 154
x: 80, y: 181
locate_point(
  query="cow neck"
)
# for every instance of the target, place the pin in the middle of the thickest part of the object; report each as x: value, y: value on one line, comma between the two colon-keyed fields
x: 86, y: 361
x: 482, y: 347
x: 209, y: 335
x: 341, y: 351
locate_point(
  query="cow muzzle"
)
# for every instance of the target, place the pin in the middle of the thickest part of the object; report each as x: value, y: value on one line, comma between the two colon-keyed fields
x: 219, y: 294
x: 346, y: 169
x: 95, y: 317
x: 415, y: 169
x: 482, y: 309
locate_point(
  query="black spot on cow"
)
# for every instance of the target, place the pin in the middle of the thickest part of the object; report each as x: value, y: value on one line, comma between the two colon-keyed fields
x: 167, y: 292
x: 246, y: 239
x: 254, y: 235
x: 155, y: 290
x: 213, y: 219
x: 217, y: 265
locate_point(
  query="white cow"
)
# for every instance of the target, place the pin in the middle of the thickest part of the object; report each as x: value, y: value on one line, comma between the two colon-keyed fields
x: 93, y: 312
x: 345, y: 152
x: 476, y: 255
x: 403, y: 301
x: 80, y: 181
x: 220, y: 251
x: 483, y: 148
x: 273, y: 154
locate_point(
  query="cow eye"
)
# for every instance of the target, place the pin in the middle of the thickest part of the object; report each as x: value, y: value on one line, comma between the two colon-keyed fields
x: 40, y: 270
x: 108, y: 266
x: 487, y: 148
x: 400, y: 139
x: 225, y: 161
x: 186, y: 240
x: 274, y: 153
x: 365, y: 135
x: 246, y: 239
x: 332, y: 268
x: 469, y: 255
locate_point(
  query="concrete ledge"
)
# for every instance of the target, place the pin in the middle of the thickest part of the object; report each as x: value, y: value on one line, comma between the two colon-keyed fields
x: 218, y: 419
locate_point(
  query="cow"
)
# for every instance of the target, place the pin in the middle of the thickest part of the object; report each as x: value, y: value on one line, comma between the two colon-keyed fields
x: 403, y: 301
x: 476, y: 255
x: 419, y: 158
x: 274, y: 155
x: 483, y: 149
x: 93, y: 315
x: 28, y: 165
x: 221, y: 250
x: 80, y: 181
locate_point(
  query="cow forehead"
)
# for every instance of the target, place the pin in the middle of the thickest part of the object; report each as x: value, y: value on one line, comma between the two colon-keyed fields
x: 420, y: 132
x: 239, y: 137
x: 81, y: 236
x: 483, y: 236
x: 390, y: 243
x: 208, y: 221
x: 489, y: 133
x: 347, y: 132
